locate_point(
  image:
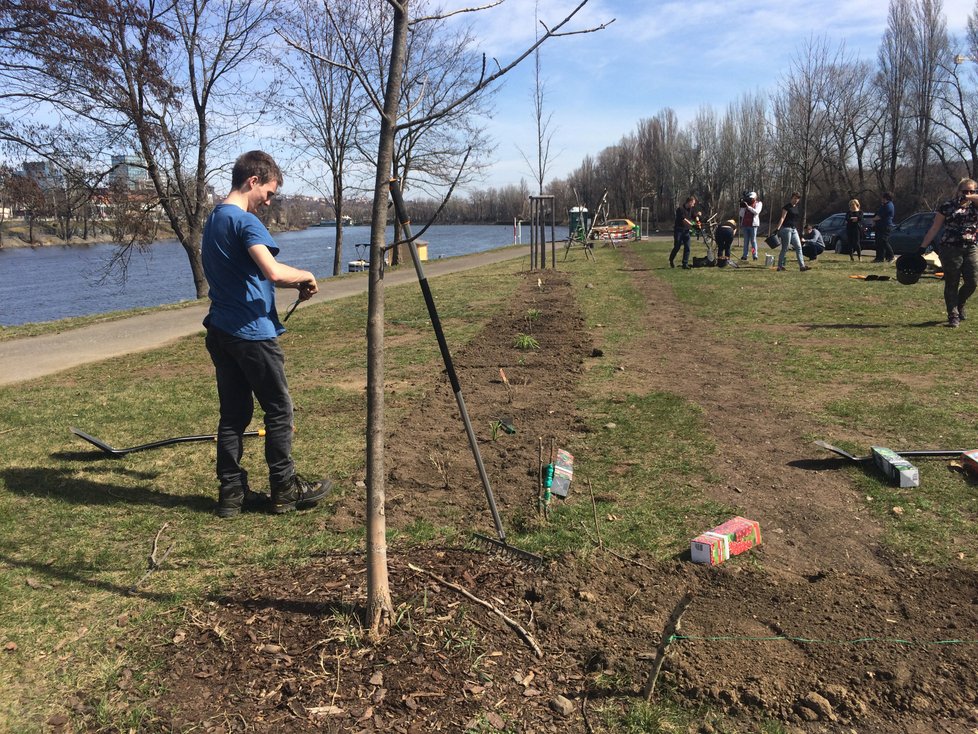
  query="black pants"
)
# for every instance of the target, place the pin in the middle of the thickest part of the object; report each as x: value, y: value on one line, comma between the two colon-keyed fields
x: 883, y: 249
x: 247, y: 370
x: 680, y: 238
x: 811, y: 251
x: 960, y: 266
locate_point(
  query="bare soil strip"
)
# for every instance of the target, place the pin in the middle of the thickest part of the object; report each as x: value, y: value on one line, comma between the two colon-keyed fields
x: 823, y: 632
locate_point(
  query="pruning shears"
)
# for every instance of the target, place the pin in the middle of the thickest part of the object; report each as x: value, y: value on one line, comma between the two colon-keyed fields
x: 295, y: 304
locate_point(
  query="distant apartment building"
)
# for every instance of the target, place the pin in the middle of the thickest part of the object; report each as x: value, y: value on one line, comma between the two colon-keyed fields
x: 129, y: 172
x: 44, y: 173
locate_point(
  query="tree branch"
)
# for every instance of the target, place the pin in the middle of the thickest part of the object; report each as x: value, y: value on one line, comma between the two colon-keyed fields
x: 527, y: 637
x: 485, y: 81
x: 457, y: 12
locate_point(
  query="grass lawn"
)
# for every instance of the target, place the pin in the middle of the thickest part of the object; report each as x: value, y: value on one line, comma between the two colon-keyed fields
x: 75, y: 531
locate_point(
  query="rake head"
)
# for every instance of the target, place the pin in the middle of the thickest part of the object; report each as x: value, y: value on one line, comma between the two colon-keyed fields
x: 516, y: 556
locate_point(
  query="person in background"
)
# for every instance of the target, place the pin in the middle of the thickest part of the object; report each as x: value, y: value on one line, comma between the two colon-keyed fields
x: 883, y: 227
x: 750, y: 218
x: 854, y: 226
x: 724, y: 236
x: 787, y: 230
x: 813, y: 244
x: 243, y: 327
x: 957, y: 249
x: 685, y: 216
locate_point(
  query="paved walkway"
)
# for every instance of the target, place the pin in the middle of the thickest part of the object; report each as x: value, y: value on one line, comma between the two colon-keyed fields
x: 31, y: 357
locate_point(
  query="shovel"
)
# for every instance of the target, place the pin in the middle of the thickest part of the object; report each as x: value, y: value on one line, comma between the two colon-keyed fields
x: 920, y: 453
x: 155, y: 444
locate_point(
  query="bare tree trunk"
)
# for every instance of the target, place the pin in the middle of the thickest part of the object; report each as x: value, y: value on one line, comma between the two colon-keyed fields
x: 380, y: 608
x: 338, y: 211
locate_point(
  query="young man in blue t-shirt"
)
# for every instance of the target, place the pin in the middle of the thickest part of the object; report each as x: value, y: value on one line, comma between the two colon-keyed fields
x: 884, y: 225
x: 238, y: 255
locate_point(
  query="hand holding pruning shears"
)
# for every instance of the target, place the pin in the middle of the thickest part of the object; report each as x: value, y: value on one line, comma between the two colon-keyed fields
x: 307, y: 289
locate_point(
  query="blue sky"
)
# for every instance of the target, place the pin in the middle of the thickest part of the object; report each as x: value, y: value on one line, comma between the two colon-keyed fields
x: 656, y: 54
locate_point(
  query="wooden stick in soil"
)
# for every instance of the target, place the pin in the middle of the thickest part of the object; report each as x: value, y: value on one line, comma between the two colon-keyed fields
x: 153, y: 563
x: 672, y: 626
x: 527, y: 637
x: 540, y: 478
x: 587, y: 724
x: 594, y: 511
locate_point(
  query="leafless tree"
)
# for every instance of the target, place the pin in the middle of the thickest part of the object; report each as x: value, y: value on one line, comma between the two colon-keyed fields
x: 328, y: 110
x: 929, y: 53
x: 801, y: 120
x: 892, y: 82
x: 429, y: 155
x: 25, y: 195
x: 749, y: 115
x: 853, y: 112
x: 169, y: 80
x: 5, y: 175
x: 542, y: 120
x: 393, y: 120
x: 714, y: 141
x: 957, y: 100
x: 658, y: 141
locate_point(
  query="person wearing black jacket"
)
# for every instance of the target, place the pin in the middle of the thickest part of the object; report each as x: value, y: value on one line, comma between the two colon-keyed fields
x: 787, y: 230
x: 685, y: 216
x: 958, y: 248
x: 854, y: 225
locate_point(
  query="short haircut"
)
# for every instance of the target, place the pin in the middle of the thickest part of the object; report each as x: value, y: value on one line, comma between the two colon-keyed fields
x: 853, y: 204
x: 888, y: 195
x: 970, y: 182
x: 255, y: 163
x: 795, y: 195
x: 691, y: 197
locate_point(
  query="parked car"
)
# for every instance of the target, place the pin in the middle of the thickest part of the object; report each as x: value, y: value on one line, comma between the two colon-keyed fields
x: 833, y: 229
x: 908, y: 234
x: 615, y: 229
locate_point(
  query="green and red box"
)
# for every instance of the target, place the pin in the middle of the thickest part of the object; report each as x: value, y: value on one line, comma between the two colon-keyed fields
x: 731, y: 538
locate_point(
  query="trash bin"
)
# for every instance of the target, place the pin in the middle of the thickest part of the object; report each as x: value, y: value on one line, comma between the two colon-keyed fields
x: 404, y: 252
x: 578, y: 221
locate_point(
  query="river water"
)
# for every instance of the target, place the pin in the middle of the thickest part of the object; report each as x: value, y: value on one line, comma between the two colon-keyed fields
x: 57, y: 282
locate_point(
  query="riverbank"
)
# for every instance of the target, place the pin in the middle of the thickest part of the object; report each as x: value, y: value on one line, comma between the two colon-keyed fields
x: 17, y: 240
x: 30, y: 357
x: 16, y: 235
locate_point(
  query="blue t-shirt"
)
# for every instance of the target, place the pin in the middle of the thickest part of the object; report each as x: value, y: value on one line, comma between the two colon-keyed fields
x: 886, y: 212
x: 242, y: 298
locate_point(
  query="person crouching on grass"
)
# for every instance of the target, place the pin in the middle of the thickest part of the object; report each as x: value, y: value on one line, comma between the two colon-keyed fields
x: 243, y: 327
x: 813, y: 243
x: 957, y: 249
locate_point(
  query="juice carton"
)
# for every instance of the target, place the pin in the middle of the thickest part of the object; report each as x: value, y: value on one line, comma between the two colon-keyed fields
x: 563, y: 474
x: 895, y: 467
x: 727, y: 539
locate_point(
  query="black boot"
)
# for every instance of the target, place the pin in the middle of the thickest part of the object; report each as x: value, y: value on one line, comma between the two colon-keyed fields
x: 235, y: 499
x: 298, y: 494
